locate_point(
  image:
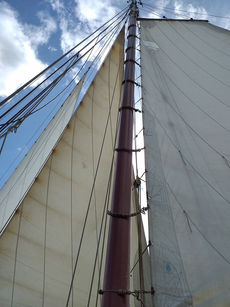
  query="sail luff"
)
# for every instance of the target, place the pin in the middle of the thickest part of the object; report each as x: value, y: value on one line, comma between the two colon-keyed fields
x: 118, y: 249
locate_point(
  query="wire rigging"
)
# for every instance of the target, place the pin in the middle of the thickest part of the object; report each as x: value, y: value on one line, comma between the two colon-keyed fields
x: 48, y: 88
x: 59, y: 59
x: 185, y: 11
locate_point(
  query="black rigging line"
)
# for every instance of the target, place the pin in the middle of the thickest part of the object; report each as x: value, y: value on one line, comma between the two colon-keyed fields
x: 152, y: 10
x: 94, y: 63
x: 58, y: 60
x: 49, y: 87
x: 66, y: 70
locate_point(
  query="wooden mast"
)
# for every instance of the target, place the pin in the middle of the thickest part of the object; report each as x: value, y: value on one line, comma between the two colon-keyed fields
x: 117, y: 268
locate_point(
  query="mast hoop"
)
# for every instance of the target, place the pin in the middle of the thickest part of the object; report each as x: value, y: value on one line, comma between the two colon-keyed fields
x: 126, y: 216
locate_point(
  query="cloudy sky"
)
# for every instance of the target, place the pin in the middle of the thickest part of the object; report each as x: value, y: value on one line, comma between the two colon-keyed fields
x: 35, y: 33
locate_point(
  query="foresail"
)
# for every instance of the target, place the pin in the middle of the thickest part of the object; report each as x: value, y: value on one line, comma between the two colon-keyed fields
x: 186, y: 90
x: 18, y: 185
x: 57, y: 232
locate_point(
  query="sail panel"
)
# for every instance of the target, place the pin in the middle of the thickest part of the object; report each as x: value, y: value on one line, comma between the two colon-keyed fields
x: 186, y: 90
x: 59, y: 221
x: 17, y: 186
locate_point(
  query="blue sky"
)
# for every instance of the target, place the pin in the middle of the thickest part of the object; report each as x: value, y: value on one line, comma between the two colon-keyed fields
x: 34, y: 33
x: 37, y: 32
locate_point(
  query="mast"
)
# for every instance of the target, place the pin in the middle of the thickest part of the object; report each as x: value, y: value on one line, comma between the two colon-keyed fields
x: 117, y: 268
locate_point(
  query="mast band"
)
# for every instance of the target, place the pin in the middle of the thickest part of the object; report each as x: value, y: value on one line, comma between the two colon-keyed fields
x: 126, y: 216
x: 132, y: 25
x: 129, y: 108
x: 132, y: 35
x: 129, y: 60
x: 131, y: 81
x: 135, y: 293
x: 129, y: 150
x: 130, y: 48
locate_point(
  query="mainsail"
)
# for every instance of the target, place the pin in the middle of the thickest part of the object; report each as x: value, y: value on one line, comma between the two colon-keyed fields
x: 186, y: 90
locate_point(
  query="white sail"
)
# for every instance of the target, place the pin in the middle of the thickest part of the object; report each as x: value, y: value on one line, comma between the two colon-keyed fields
x: 186, y: 90
x: 17, y: 186
x: 39, y: 247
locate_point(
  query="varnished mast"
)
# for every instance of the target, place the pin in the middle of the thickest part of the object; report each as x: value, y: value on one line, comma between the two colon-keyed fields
x: 117, y: 277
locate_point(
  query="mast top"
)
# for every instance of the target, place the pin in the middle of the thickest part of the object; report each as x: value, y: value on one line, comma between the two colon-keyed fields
x: 134, y: 11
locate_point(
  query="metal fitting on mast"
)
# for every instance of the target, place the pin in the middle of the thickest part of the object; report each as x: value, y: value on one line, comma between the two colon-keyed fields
x: 134, y: 11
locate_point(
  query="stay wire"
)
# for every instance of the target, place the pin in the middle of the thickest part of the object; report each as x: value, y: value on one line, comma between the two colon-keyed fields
x: 88, y: 206
x: 185, y: 11
x: 94, y: 63
x: 81, y: 68
x: 59, y: 59
x: 65, y: 71
x: 47, y: 88
x: 152, y: 10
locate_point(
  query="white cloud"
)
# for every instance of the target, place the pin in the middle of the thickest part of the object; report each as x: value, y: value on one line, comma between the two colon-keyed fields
x: 84, y: 17
x: 191, y: 11
x: 93, y: 12
x: 18, y: 58
x: 39, y: 35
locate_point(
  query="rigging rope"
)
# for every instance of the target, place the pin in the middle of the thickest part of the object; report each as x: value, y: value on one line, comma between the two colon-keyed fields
x: 185, y: 11
x: 59, y: 59
x: 51, y: 85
